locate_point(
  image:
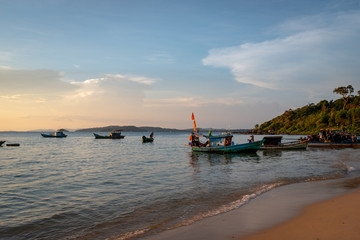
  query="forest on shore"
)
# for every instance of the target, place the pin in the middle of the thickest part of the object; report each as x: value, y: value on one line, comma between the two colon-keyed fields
x: 342, y: 114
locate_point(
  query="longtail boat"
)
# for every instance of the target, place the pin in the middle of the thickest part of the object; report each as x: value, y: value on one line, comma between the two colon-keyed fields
x: 274, y: 143
x: 57, y: 134
x: 222, y: 144
x: 116, y: 134
x: 1, y: 143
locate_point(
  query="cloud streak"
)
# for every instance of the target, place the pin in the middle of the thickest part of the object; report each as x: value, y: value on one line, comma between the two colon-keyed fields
x: 192, y: 102
x: 314, y: 51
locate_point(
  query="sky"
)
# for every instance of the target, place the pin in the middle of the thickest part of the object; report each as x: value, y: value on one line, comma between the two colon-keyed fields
x: 233, y: 63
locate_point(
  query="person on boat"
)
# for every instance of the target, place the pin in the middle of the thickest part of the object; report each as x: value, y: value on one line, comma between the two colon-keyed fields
x: 227, y: 141
x: 152, y: 135
x: 207, y: 143
x: 194, y: 139
x: 251, y: 139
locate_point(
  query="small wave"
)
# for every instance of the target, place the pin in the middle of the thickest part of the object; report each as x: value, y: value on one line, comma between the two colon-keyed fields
x: 344, y: 166
x: 350, y: 169
x: 222, y: 209
x: 230, y: 206
x: 129, y: 234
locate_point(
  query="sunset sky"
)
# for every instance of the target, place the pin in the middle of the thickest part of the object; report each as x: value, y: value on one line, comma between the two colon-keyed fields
x: 234, y: 63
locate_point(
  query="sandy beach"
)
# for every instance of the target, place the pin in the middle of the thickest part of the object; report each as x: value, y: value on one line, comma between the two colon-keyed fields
x: 312, y: 210
x: 337, y: 218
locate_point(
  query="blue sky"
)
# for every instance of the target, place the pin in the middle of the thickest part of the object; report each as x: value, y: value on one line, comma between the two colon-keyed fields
x: 234, y: 64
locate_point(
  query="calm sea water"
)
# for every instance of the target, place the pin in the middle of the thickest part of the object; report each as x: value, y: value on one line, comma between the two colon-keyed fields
x: 86, y: 188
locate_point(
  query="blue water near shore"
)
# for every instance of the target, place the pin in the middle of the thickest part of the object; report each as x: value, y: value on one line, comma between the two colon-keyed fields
x: 86, y: 188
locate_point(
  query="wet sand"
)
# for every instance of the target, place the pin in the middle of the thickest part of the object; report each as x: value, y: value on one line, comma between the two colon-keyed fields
x: 337, y: 218
x: 277, y: 208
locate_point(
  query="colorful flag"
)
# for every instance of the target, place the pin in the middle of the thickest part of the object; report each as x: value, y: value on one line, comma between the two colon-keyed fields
x: 192, y: 116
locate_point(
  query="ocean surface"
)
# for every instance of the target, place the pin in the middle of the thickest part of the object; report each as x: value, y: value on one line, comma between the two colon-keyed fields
x: 80, y: 187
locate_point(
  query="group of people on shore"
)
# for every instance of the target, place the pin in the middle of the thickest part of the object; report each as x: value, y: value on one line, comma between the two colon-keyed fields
x: 329, y: 135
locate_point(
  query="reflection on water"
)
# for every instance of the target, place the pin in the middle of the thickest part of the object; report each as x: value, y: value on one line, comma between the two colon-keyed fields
x: 273, y: 153
x: 214, y: 158
x: 81, y: 187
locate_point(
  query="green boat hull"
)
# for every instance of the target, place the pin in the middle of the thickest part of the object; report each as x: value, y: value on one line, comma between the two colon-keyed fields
x: 97, y: 136
x: 53, y: 136
x: 146, y: 139
x: 238, y: 148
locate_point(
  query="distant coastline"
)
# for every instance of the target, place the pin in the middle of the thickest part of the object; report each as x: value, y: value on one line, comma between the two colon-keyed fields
x: 137, y: 129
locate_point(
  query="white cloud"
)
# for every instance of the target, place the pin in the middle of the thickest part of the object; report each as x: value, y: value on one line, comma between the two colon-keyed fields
x: 318, y: 51
x: 136, y: 79
x: 192, y: 101
x: 111, y: 84
x: 87, y: 88
x: 11, y: 97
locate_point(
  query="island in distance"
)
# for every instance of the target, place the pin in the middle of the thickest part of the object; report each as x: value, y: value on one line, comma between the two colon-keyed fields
x: 151, y: 129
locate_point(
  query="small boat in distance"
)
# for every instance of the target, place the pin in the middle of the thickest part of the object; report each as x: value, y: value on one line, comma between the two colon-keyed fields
x: 274, y: 143
x: 1, y: 143
x: 116, y: 134
x: 148, y: 139
x: 13, y: 144
x: 58, y: 134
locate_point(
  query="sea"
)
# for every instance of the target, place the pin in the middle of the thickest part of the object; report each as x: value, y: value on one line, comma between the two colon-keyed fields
x: 80, y: 187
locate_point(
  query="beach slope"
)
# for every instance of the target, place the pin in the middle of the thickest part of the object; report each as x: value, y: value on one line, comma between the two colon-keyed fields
x: 337, y: 218
x: 273, y: 211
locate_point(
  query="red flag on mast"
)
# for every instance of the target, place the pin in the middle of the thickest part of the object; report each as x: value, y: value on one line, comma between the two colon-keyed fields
x: 193, y: 118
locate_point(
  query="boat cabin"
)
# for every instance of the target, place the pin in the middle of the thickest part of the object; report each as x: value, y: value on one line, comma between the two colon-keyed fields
x: 59, y: 134
x: 116, y: 133
x: 272, y: 140
x: 219, y: 140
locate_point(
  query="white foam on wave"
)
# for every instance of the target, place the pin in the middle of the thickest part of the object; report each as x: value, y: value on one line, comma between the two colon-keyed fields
x: 129, y: 234
x: 231, y: 206
x: 349, y: 168
x: 222, y: 209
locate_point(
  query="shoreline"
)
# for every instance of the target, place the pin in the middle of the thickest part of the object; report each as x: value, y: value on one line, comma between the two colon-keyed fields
x: 337, y: 218
x: 272, y: 209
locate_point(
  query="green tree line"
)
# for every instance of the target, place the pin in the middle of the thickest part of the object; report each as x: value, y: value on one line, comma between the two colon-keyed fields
x: 341, y: 114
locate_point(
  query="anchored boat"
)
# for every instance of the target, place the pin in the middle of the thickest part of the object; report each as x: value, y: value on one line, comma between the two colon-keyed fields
x: 148, y: 139
x: 220, y: 143
x: 116, y: 134
x: 57, y: 134
x: 334, y: 139
x: 274, y: 143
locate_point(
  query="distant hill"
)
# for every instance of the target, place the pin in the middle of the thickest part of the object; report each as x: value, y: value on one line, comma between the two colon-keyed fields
x: 129, y: 129
x: 313, y: 117
x: 152, y: 129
